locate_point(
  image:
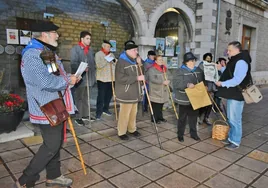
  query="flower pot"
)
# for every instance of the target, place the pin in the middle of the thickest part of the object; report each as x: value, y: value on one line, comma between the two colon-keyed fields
x: 10, y: 121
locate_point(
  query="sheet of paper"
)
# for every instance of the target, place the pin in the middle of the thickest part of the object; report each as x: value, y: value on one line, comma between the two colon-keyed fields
x: 109, y: 58
x: 211, y: 71
x: 82, y: 67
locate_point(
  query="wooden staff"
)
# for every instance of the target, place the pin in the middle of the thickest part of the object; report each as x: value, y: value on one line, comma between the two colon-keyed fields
x: 170, y: 95
x: 151, y: 109
x: 77, y: 145
x: 223, y: 117
x: 112, y: 78
x: 88, y: 99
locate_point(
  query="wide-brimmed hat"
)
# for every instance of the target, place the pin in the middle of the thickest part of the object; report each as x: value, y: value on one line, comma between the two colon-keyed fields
x: 44, y: 26
x: 188, y: 56
x: 130, y: 44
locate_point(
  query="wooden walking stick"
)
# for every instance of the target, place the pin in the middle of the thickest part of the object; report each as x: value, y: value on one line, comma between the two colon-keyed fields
x: 112, y: 78
x: 151, y: 109
x: 88, y: 99
x: 77, y: 145
x: 170, y: 95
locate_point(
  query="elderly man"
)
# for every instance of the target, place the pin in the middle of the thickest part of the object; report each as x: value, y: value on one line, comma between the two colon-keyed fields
x: 82, y: 52
x: 105, y: 71
x: 235, y: 77
x: 128, y: 90
x: 42, y: 86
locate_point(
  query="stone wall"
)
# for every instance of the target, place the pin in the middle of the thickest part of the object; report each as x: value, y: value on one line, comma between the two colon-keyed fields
x: 72, y: 16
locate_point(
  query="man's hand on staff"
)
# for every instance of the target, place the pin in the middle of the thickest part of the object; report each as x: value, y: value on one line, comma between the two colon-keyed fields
x: 138, y: 60
x: 166, y: 82
x: 141, y: 78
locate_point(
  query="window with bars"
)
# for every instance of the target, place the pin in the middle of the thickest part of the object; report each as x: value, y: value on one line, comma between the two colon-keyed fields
x: 246, y: 37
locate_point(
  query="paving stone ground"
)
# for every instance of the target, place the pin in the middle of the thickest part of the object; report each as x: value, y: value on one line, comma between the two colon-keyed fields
x: 140, y: 163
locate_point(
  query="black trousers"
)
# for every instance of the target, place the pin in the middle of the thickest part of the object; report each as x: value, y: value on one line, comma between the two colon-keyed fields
x: 206, y: 111
x: 187, y: 111
x: 157, y: 109
x: 104, y: 97
x: 47, y: 157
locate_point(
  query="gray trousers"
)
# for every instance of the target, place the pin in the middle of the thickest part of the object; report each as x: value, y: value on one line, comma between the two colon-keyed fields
x: 81, y: 101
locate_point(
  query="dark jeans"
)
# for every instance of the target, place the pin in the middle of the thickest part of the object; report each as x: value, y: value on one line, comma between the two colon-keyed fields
x: 157, y: 109
x: 47, y: 157
x: 145, y: 100
x: 187, y: 111
x: 104, y: 97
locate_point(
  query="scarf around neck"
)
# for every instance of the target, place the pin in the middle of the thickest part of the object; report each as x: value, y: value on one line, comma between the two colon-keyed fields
x: 125, y: 57
x: 160, y: 68
x: 188, y: 69
x: 149, y: 61
x: 105, y: 52
x: 38, y: 44
x: 85, y: 48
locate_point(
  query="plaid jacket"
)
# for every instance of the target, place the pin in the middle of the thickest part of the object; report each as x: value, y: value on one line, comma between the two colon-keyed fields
x: 42, y: 86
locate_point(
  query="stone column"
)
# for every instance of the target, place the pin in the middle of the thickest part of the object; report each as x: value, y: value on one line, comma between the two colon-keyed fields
x: 205, y: 32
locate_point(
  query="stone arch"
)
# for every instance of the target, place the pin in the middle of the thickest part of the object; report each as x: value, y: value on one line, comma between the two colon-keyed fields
x: 138, y: 16
x: 187, y: 14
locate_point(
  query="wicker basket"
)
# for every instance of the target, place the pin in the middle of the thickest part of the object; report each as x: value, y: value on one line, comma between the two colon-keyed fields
x: 220, y: 130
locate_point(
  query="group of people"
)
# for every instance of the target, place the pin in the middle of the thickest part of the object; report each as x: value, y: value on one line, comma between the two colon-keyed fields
x: 129, y: 73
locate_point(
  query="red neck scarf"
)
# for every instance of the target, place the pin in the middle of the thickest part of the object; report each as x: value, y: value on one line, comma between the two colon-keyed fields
x: 105, y: 52
x: 159, y: 68
x: 86, y: 48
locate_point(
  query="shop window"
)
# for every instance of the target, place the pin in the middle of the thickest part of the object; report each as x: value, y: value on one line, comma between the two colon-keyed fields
x: 246, y: 37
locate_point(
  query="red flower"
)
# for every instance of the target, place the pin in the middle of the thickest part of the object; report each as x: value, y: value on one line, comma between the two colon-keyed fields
x: 9, y: 103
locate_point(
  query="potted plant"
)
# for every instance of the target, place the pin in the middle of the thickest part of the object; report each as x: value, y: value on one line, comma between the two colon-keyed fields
x: 12, y: 108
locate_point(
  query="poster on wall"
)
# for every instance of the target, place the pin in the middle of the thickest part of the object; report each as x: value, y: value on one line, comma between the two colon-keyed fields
x: 113, y: 47
x: 170, y: 46
x: 160, y: 46
x: 178, y: 49
x: 25, y: 37
x: 172, y: 62
x: 12, y: 36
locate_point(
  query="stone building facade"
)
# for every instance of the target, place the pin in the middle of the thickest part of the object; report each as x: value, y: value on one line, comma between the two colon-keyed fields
x: 204, y: 22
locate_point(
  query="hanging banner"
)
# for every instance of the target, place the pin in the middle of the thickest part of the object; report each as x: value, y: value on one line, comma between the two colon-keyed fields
x: 113, y: 47
x: 25, y: 37
x: 170, y: 46
x: 12, y: 36
x: 160, y: 46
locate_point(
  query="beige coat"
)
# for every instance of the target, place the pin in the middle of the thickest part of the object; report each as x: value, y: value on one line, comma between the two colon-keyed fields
x: 103, y: 67
x: 158, y: 92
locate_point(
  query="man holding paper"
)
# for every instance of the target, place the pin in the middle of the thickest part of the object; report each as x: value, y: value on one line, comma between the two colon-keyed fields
x: 82, y: 52
x: 103, y: 59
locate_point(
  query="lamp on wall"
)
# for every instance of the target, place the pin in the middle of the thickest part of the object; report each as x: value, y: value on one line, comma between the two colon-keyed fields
x: 228, y: 22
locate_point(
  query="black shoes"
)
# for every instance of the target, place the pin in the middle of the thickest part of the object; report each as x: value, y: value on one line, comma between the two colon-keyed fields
x: 196, y: 138
x: 207, y: 121
x: 180, y: 138
x: 124, y: 137
x: 135, y: 134
x: 163, y: 120
x: 79, y: 122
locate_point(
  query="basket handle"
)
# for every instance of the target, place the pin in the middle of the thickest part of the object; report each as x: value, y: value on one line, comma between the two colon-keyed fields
x: 223, y: 117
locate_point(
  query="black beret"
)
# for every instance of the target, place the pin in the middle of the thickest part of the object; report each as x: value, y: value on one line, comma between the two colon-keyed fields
x: 151, y: 52
x: 107, y: 42
x: 130, y: 44
x: 43, y: 26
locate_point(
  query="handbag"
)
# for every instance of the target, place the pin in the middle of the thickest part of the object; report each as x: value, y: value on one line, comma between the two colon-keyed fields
x: 251, y: 93
x: 55, y: 111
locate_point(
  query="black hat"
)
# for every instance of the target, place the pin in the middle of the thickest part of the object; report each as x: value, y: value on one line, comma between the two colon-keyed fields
x: 43, y: 26
x: 207, y: 54
x: 151, y: 52
x: 130, y: 44
x: 188, y: 56
x: 107, y: 42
